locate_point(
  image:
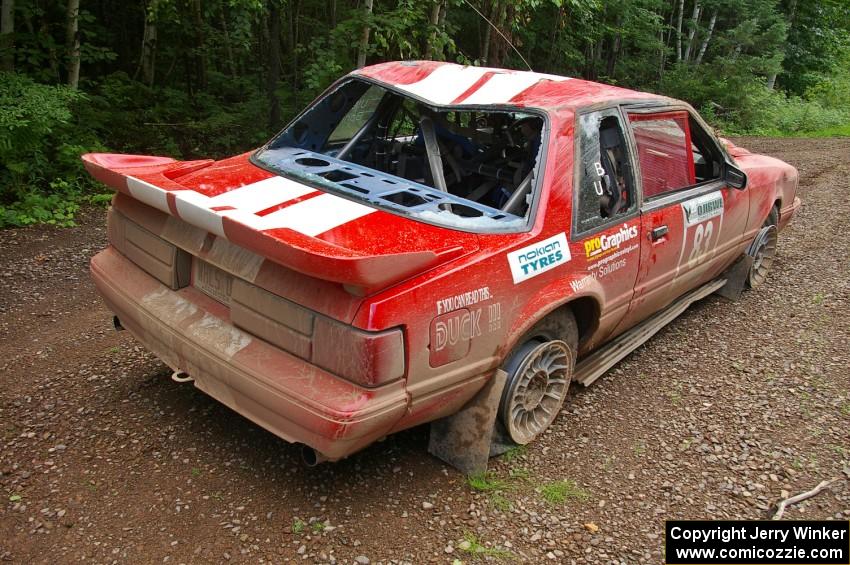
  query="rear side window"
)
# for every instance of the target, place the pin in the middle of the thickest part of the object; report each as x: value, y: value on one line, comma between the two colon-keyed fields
x: 665, y: 152
x: 606, y: 186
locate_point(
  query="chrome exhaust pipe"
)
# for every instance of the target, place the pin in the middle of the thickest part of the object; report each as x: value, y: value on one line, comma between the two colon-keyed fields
x: 311, y: 457
x: 116, y: 323
x: 181, y: 377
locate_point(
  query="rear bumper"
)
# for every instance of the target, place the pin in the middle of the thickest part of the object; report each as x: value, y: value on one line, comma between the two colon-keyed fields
x: 289, y: 397
x: 786, y: 214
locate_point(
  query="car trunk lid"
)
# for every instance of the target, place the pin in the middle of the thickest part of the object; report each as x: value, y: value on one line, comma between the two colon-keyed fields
x: 317, y: 234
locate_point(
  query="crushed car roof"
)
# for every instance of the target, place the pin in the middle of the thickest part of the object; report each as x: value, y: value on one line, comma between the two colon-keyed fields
x: 443, y: 84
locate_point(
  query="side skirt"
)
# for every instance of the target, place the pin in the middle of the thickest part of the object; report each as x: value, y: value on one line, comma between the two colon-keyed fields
x: 597, y: 363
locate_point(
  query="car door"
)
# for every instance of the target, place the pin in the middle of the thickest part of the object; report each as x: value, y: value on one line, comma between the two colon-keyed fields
x: 693, y: 223
x: 606, y: 223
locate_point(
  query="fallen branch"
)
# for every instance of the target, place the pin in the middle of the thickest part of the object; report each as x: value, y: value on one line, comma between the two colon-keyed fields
x: 780, y: 508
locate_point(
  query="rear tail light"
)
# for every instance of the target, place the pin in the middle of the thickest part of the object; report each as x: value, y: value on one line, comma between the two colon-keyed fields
x: 166, y: 262
x: 367, y: 358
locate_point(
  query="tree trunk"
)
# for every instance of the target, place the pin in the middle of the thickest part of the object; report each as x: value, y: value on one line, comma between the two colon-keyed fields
x: 432, y: 36
x: 792, y: 15
x: 147, y: 62
x: 7, y: 34
x: 705, y: 41
x: 364, y: 38
x: 485, y: 48
x: 441, y: 24
x: 613, y: 50
x: 693, y: 31
x: 72, y: 43
x: 228, y: 48
x: 499, y: 47
x: 200, y: 55
x: 273, y: 76
x: 679, y: 31
x: 292, y: 37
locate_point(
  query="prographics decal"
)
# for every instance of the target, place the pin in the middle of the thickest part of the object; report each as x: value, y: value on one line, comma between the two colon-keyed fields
x: 539, y: 257
x: 703, y: 208
x: 600, y: 245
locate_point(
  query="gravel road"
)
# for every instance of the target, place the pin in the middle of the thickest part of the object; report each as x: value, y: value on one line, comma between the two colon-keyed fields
x: 730, y: 408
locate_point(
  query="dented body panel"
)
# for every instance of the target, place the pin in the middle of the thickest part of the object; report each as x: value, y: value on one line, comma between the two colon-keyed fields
x: 333, y: 320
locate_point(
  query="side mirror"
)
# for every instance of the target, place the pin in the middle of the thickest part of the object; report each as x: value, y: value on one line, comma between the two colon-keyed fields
x: 734, y: 177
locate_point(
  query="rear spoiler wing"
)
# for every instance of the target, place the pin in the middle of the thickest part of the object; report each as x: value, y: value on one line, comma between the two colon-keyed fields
x: 153, y: 181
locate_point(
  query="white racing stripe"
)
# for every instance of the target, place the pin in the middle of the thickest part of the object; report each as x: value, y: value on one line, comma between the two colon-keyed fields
x: 449, y: 81
x: 194, y: 207
x: 316, y: 215
x: 148, y: 193
x: 502, y: 87
x: 261, y: 195
x: 311, y: 217
x: 445, y: 83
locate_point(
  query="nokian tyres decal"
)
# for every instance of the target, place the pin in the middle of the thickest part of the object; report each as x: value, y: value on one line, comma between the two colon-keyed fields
x: 539, y: 257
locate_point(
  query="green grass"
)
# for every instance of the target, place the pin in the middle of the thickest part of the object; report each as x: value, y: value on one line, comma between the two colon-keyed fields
x: 558, y: 492
x: 298, y: 526
x: 318, y: 527
x: 499, y: 502
x: 514, y: 453
x: 519, y: 473
x: 485, y: 482
x: 834, y: 131
x: 471, y: 545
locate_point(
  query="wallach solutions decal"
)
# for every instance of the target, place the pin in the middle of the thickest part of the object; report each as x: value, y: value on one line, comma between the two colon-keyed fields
x: 539, y: 257
x: 604, y: 244
x: 703, y: 208
x: 757, y: 542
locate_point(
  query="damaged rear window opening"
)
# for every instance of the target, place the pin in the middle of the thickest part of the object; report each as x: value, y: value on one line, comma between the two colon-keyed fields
x: 467, y: 169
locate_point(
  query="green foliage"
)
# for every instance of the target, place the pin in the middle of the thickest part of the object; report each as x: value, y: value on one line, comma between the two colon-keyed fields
x: 471, y: 545
x: 558, y: 492
x: 486, y: 482
x: 221, y: 76
x: 41, y: 175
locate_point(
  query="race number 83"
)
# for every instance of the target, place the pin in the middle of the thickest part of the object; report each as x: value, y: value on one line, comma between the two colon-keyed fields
x: 702, y: 242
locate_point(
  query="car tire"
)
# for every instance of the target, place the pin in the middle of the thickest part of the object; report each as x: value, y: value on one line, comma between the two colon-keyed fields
x: 764, y: 253
x: 539, y: 372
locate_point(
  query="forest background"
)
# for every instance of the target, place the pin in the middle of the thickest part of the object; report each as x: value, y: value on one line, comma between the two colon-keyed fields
x: 211, y: 78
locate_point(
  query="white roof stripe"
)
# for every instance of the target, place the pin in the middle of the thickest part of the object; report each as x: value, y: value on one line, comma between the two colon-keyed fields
x: 261, y: 195
x: 501, y: 88
x: 316, y: 215
x: 445, y: 83
x: 449, y: 81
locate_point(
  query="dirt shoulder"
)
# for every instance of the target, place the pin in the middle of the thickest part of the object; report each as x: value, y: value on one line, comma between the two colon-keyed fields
x: 104, y: 459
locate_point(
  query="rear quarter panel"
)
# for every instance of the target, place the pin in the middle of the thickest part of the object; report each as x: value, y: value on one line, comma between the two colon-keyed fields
x: 479, y: 297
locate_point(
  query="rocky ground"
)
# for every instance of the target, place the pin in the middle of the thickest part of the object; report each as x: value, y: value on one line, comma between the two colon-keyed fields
x: 733, y: 406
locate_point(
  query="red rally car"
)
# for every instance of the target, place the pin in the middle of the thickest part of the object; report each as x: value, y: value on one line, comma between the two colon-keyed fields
x: 427, y: 238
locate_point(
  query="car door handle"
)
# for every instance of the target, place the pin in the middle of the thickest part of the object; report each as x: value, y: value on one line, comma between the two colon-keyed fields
x: 658, y: 233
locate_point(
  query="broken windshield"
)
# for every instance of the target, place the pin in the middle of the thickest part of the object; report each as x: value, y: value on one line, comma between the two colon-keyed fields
x: 467, y: 169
